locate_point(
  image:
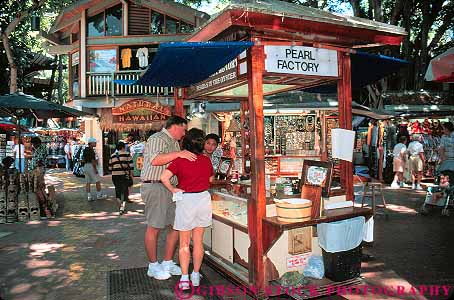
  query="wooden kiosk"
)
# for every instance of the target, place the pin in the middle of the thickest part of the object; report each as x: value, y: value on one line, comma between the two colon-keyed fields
x: 294, y: 47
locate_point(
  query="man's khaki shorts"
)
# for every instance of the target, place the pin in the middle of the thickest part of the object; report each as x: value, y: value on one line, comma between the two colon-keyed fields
x: 159, y: 207
x: 398, y: 165
x: 416, y: 164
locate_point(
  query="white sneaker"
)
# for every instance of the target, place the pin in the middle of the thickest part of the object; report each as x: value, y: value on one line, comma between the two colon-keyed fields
x: 90, y: 198
x: 101, y: 196
x: 419, y: 188
x: 413, y: 186
x: 395, y: 185
x: 156, y: 271
x: 171, y: 267
x: 184, y: 285
x: 195, y: 278
x: 122, y: 208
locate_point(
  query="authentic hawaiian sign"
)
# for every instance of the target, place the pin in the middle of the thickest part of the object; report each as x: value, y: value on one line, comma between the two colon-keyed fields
x: 301, y: 60
x: 140, y: 111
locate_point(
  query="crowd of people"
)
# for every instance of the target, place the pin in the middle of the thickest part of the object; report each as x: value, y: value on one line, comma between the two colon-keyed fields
x: 411, y: 158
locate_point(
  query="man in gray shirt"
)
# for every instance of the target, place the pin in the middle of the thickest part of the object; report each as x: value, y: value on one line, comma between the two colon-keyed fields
x: 161, y: 149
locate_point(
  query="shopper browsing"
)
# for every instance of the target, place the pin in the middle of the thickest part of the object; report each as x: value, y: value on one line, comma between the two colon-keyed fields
x: 19, y: 154
x: 416, y: 152
x: 447, y: 151
x: 120, y: 164
x: 91, y: 170
x: 193, y: 203
x: 399, y: 160
x: 161, y: 149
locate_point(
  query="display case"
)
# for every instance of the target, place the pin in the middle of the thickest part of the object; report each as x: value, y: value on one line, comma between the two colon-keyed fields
x: 287, y: 245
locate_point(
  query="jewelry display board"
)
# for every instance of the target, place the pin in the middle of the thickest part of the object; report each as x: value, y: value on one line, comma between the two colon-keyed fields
x: 2, y: 146
x: 290, y: 134
x: 331, y: 122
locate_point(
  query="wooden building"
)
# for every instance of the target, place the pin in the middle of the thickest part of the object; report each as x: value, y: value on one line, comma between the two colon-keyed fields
x: 117, y: 39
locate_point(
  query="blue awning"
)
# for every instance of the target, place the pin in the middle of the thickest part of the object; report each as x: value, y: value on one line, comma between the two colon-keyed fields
x: 184, y: 63
x: 366, y: 68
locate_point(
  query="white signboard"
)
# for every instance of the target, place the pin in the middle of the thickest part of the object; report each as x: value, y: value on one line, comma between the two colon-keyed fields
x: 296, y: 261
x: 343, y: 141
x: 301, y: 60
x: 75, y: 58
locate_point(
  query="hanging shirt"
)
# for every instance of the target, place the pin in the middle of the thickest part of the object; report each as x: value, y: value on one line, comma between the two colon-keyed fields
x: 126, y: 55
x: 142, y: 55
x: 22, y: 151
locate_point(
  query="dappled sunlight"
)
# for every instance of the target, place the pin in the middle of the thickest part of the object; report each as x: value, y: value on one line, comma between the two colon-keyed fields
x: 75, y: 271
x: 68, y: 249
x: 40, y: 249
x: 21, y: 288
x: 34, y: 263
x: 53, y: 223
x: 401, y: 209
x: 49, y: 272
x: 93, y: 215
x: 112, y: 256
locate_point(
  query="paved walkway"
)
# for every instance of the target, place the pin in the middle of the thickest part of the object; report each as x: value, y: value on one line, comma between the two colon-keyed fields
x: 68, y: 257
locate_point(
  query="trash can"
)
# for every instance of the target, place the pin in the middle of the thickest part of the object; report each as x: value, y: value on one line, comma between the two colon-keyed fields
x: 341, y: 248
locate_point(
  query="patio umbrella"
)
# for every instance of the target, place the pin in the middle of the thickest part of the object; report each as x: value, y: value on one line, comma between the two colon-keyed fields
x: 441, y: 68
x: 21, y: 105
x: 12, y: 104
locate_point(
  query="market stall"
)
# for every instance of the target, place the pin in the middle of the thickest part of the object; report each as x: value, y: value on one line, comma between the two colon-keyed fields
x: 289, y: 47
x: 246, y: 233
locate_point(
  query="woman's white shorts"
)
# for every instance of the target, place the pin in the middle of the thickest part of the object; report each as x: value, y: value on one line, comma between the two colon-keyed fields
x: 193, y: 210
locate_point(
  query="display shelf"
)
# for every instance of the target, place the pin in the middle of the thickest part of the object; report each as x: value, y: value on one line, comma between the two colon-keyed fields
x: 286, y: 165
x: 331, y: 215
x: 275, y: 228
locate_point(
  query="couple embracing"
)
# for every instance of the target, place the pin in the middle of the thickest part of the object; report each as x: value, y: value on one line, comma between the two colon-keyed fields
x: 174, y: 188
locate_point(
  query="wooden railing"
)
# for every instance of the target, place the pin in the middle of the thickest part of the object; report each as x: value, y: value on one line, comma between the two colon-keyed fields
x: 102, y: 84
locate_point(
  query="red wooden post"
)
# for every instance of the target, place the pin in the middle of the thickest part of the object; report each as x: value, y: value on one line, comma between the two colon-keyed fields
x: 244, y: 142
x: 256, y: 204
x: 344, y: 92
x: 179, y: 102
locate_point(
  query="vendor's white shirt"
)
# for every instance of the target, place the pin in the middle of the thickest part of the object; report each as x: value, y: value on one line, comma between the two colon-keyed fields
x: 415, y: 147
x: 22, y: 150
x: 399, y: 150
x: 73, y: 149
x: 67, y: 149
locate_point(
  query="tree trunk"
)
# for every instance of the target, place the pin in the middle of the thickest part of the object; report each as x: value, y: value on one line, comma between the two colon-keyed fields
x: 52, y: 80
x: 11, y: 63
x: 357, y: 12
x: 377, y: 8
x: 60, y: 80
x: 422, y: 62
x: 406, y: 49
x: 396, y: 13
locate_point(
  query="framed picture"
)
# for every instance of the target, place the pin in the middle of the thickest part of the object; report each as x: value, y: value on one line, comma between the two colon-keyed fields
x: 225, y: 164
x: 317, y: 173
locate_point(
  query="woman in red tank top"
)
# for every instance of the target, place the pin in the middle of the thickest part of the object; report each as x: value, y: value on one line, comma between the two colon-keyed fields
x: 193, y: 203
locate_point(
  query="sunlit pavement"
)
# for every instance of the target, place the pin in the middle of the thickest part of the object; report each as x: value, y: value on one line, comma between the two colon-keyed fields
x: 68, y: 257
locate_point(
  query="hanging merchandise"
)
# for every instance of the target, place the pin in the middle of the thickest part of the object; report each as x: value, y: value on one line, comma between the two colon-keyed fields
x: 426, y: 127
x: 416, y: 128
x: 142, y: 55
x: 436, y: 128
x: 126, y: 55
